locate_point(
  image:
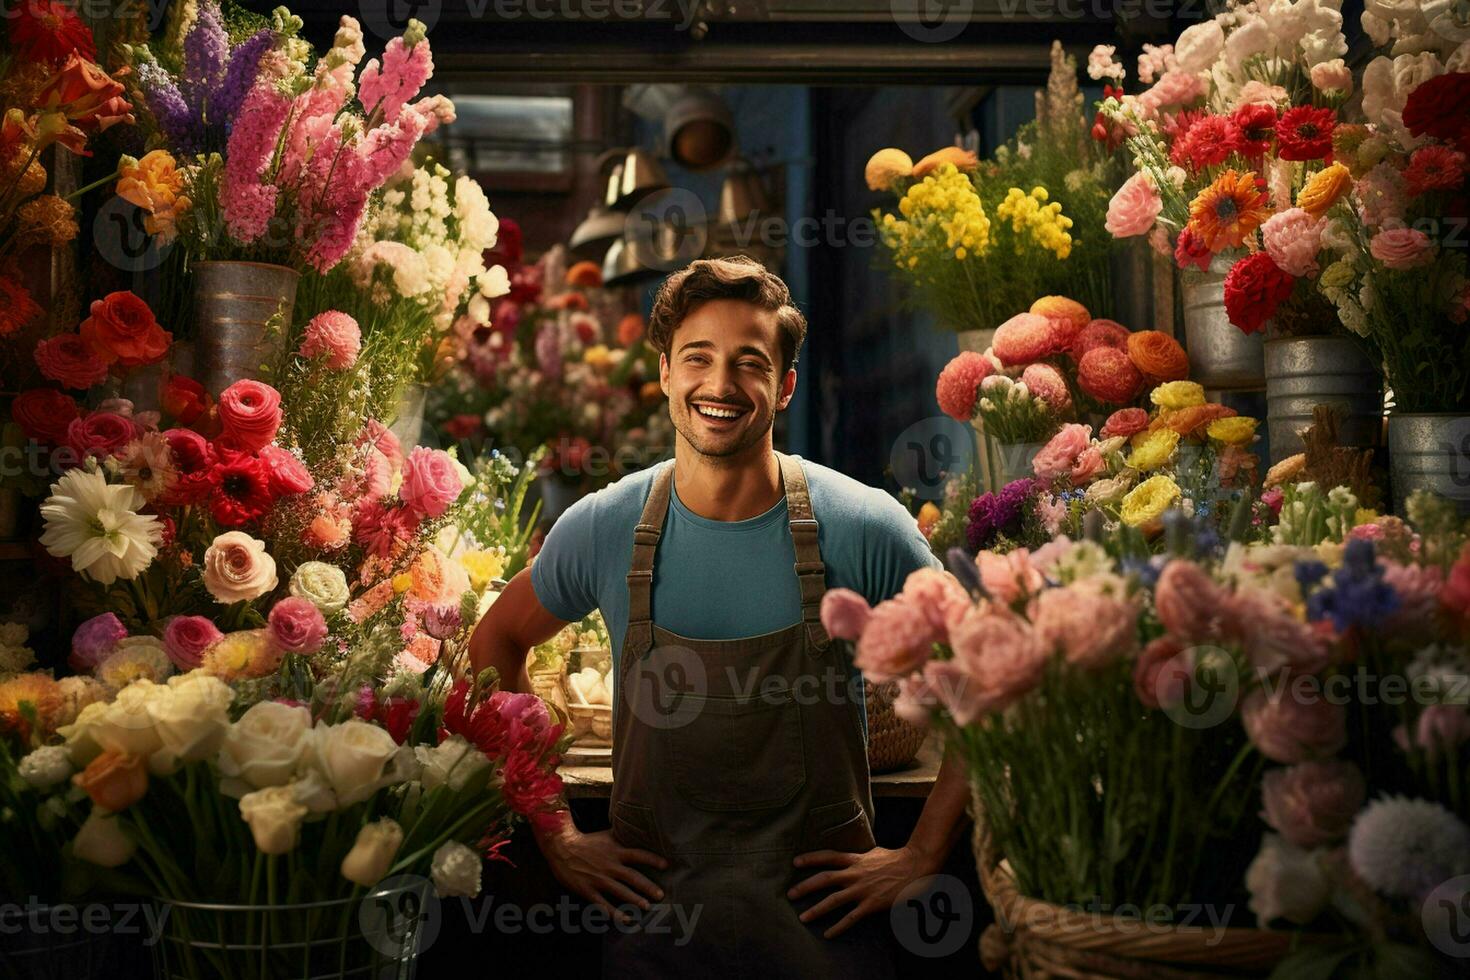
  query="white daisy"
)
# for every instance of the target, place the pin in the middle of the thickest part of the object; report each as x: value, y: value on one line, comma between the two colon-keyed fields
x: 97, y: 525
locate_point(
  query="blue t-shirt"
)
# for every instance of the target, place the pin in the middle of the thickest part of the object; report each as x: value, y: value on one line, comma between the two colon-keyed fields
x: 723, y: 580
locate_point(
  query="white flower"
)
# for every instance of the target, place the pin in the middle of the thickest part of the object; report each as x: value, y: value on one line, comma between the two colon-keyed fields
x: 1101, y: 63
x: 45, y: 767
x: 265, y: 747
x: 478, y: 226
x: 372, y: 853
x: 1285, y: 882
x: 1404, y: 848
x: 1199, y: 46
x: 135, y: 658
x: 237, y: 568
x: 1245, y: 42
x: 124, y: 724
x: 102, y: 842
x: 455, y: 870
x: 453, y: 762
x: 96, y: 524
x: 494, y: 282
x: 357, y: 759
x: 323, y: 585
x: 274, y: 817
x: 191, y: 716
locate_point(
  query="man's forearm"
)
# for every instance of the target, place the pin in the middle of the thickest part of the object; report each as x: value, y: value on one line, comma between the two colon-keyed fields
x: 488, y: 648
x: 940, y: 822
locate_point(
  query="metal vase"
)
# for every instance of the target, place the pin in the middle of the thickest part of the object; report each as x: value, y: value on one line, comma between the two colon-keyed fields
x: 1012, y: 460
x: 1220, y: 354
x: 234, y: 305
x: 1430, y: 451
x: 974, y: 340
x: 1304, y: 372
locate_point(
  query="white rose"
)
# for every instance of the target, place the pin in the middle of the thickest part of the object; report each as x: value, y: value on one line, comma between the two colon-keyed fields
x: 323, y: 585
x: 274, y: 817
x: 1324, y: 46
x: 237, y: 568
x: 1376, y: 28
x: 1285, y: 882
x: 372, y: 853
x: 455, y: 870
x: 191, y: 716
x: 101, y: 841
x: 1412, y: 70
x: 453, y: 762
x: 357, y: 759
x: 265, y: 747
x: 125, y: 725
x: 46, y: 766
x: 1199, y: 46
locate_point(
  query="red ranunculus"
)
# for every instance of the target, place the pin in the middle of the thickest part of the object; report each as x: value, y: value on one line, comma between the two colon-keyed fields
x: 1254, y: 288
x: 69, y: 360
x: 242, y: 490
x: 1257, y: 124
x: 101, y: 434
x: 1305, y: 133
x: 1191, y: 250
x: 250, y: 414
x: 184, y: 399
x: 122, y: 330
x: 1440, y: 108
x: 288, y: 475
x: 44, y: 414
x: 1208, y: 142
x: 194, y: 460
x: 43, y: 30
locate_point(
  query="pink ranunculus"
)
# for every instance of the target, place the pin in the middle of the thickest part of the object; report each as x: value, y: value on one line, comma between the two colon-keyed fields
x: 185, y: 639
x: 1047, y: 382
x: 1010, y: 576
x: 288, y: 474
x: 297, y: 626
x: 1024, y: 338
x: 431, y: 482
x: 94, y: 640
x: 998, y: 658
x: 1313, y: 803
x: 1292, y: 239
x: 250, y: 414
x: 101, y: 434
x: 895, y: 642
x: 1088, y: 464
x: 1418, y: 588
x: 1402, y: 248
x: 939, y: 595
x: 1274, y: 638
x: 1090, y: 629
x: 1061, y: 451
x: 1161, y: 673
x: 1293, y: 725
x: 334, y: 336
x: 1134, y: 208
x: 1125, y: 422
x: 1439, y: 732
x: 1190, y: 604
x: 958, y: 387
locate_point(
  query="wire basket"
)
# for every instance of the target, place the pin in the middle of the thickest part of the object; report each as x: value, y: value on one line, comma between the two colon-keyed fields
x: 376, y: 936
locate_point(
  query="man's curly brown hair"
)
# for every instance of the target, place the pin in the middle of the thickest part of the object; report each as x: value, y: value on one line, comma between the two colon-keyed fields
x: 739, y: 277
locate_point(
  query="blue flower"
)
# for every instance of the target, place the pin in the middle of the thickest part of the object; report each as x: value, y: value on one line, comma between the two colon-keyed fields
x: 1309, y: 574
x: 1358, y: 596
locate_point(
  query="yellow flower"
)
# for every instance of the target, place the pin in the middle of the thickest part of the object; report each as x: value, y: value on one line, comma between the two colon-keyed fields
x: 1363, y: 516
x: 1149, y: 500
x: 597, y: 356
x: 1323, y: 189
x: 241, y: 655
x: 1152, y: 449
x: 403, y: 582
x: 1238, y: 430
x: 154, y: 184
x: 885, y: 167
x: 483, y: 567
x: 1178, y: 394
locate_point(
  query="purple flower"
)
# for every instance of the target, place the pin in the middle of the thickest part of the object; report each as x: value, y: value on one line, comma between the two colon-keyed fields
x: 980, y: 528
x: 94, y: 640
x: 205, y: 49
x: 239, y: 76
x: 168, y: 107
x: 1358, y: 595
x: 442, y: 622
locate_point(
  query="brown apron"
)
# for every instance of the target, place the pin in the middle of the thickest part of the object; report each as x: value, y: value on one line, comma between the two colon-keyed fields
x: 729, y: 758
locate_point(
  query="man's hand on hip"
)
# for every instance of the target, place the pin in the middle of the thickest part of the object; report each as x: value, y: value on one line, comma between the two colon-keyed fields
x: 598, y: 868
x: 870, y: 882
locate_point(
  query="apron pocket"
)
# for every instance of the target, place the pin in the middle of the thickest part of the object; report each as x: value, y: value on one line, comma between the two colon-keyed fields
x: 636, y: 826
x: 839, y: 827
x: 738, y: 753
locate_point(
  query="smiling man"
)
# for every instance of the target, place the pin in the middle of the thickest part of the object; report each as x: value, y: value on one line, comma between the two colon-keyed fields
x: 741, y: 804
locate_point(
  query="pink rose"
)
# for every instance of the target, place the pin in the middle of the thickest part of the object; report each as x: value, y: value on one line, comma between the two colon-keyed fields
x: 237, y: 568
x: 1402, y: 248
x: 1088, y: 464
x: 1292, y: 239
x: 335, y: 336
x: 1047, y: 383
x: 101, y: 434
x: 250, y: 414
x: 431, y: 482
x: 1057, y: 456
x: 185, y: 639
x: 895, y: 642
x: 297, y: 626
x: 1439, y: 732
x: 939, y: 595
x: 94, y: 640
x: 1294, y: 726
x: 288, y: 475
x: 1008, y: 577
x: 1135, y: 208
x: 844, y: 614
x: 1162, y: 673
x: 997, y: 659
x: 1332, y: 76
x: 1313, y: 803
x: 1090, y: 629
x: 1189, y: 603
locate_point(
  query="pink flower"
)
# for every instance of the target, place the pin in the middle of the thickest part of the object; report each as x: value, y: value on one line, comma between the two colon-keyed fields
x: 94, y: 640
x: 1174, y: 88
x: 247, y: 202
x: 895, y: 642
x: 288, y: 475
x: 405, y: 68
x: 297, y: 625
x: 1052, y: 510
x: 1439, y: 732
x: 1332, y: 76
x: 185, y: 639
x: 1273, y: 637
x: 1292, y: 239
x: 1162, y: 673
x: 1087, y: 466
x: 380, y: 530
x: 431, y: 482
x: 997, y: 659
x: 1024, y: 338
x: 940, y: 597
x: 1057, y: 457
x: 1090, y: 629
x: 1010, y: 576
x: 1047, y: 383
x: 844, y: 613
x: 1402, y: 248
x: 1293, y: 726
x: 1135, y: 208
x: 335, y: 336
x: 101, y: 434
x: 250, y: 414
x: 1189, y: 603
x: 1125, y: 422
x: 959, y: 384
x: 70, y: 361
x: 1418, y: 588
x: 1380, y: 196
x: 915, y: 699
x: 1313, y: 803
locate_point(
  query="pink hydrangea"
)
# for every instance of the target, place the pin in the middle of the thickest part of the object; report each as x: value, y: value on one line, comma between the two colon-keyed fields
x: 1313, y: 803
x: 1024, y: 338
x: 959, y: 383
x: 1057, y: 457
x: 1292, y: 726
x: 1402, y: 248
x: 334, y: 336
x: 1047, y: 383
x: 1292, y: 239
x: 1134, y: 208
x: 895, y: 642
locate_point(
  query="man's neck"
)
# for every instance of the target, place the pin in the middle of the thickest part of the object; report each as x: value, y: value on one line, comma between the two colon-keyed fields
x: 728, y: 488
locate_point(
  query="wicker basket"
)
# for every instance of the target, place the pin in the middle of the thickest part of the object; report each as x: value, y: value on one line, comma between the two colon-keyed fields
x: 1035, y: 940
x: 892, y: 742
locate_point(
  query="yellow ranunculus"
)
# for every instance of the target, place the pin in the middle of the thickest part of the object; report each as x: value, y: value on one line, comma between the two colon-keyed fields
x: 1153, y: 449
x: 1237, y: 430
x: 1324, y: 189
x: 1149, y: 500
x: 402, y: 582
x: 483, y: 567
x: 154, y: 184
x: 1178, y: 394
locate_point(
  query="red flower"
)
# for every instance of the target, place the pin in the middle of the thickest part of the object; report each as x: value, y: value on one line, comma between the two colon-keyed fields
x: 1125, y: 422
x: 89, y: 98
x: 101, y: 434
x: 1257, y: 124
x: 1191, y: 250
x: 70, y: 361
x: 1434, y: 168
x: 43, y: 30
x: 462, y: 426
x: 508, y: 249
x: 250, y: 414
x: 1207, y: 142
x: 1107, y: 374
x: 380, y: 530
x: 1305, y: 133
x: 44, y: 414
x: 288, y: 475
x: 1099, y: 333
x: 396, y: 714
x: 529, y: 784
x: 185, y: 399
x: 123, y: 331
x: 1441, y: 108
x: 17, y: 309
x: 1254, y: 288
x: 242, y: 490
x: 194, y: 459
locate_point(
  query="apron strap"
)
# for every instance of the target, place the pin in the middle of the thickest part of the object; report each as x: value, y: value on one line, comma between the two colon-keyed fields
x: 640, y: 573
x: 811, y: 572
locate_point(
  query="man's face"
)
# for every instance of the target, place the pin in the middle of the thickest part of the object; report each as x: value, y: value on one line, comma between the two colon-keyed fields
x: 723, y: 377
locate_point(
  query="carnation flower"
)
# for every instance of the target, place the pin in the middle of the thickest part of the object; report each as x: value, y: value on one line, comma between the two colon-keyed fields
x: 1406, y: 848
x: 147, y: 463
x: 1090, y: 628
x: 97, y: 526
x: 1254, y: 288
x: 1056, y: 458
x: 1108, y: 375
x: 1208, y: 142
x: 1292, y: 239
x: 958, y: 387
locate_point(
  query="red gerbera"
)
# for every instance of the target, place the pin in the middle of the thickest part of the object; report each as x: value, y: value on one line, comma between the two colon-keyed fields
x: 17, y: 309
x: 1257, y: 124
x: 1191, y: 250
x: 1305, y: 133
x: 1208, y: 142
x: 194, y: 459
x: 1178, y: 124
x: 242, y: 490
x: 1434, y: 167
x: 1441, y: 108
x: 1254, y: 288
x: 43, y: 30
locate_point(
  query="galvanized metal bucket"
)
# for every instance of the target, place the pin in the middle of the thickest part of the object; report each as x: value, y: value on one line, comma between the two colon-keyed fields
x: 1220, y: 354
x: 1430, y: 452
x: 1011, y: 461
x: 1304, y: 372
x: 234, y: 306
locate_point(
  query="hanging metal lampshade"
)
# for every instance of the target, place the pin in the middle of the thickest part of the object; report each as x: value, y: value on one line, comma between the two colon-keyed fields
x: 699, y: 131
x: 742, y: 195
x: 597, y: 231
x: 637, y: 176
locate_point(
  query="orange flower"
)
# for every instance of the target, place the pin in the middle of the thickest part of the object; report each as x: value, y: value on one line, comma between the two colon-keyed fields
x: 114, y: 780
x: 584, y: 275
x: 1187, y: 421
x: 1062, y: 308
x: 929, y: 516
x: 86, y: 99
x: 567, y: 301
x: 122, y: 329
x: 46, y: 220
x: 1158, y: 355
x: 1229, y: 210
x: 962, y: 160
x: 1324, y: 189
x: 30, y: 705
x: 154, y: 184
x: 885, y: 167
x: 630, y: 330
x: 17, y: 309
